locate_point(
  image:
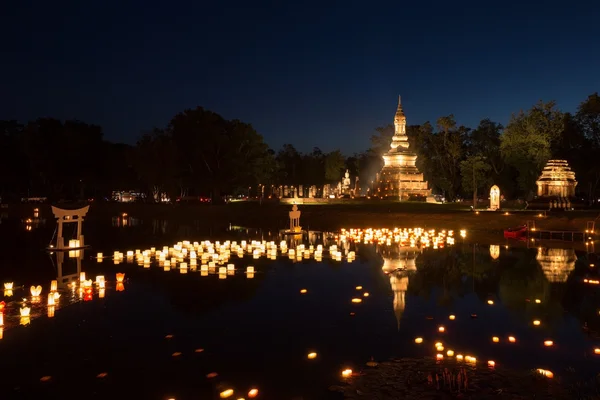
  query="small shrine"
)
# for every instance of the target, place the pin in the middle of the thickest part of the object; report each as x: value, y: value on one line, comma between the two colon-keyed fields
x: 557, y: 180
x: 295, y: 220
x: 495, y: 198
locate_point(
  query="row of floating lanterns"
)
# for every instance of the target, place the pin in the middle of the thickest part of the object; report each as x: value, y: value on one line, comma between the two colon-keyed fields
x: 53, y: 297
x: 413, y: 237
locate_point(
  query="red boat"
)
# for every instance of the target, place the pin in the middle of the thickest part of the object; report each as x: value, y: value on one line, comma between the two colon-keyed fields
x: 515, y: 233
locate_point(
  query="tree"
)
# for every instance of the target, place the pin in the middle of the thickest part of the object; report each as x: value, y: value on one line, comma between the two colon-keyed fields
x: 156, y: 163
x: 381, y: 140
x: 485, y: 141
x: 289, y: 165
x: 447, y: 148
x: 588, y: 118
x: 527, y: 141
x: 334, y: 164
x: 475, y: 175
x: 221, y: 155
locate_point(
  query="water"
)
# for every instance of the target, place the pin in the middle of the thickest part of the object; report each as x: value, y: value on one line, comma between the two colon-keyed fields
x: 256, y: 333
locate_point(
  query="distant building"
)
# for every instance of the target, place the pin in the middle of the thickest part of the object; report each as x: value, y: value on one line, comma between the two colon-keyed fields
x: 126, y: 196
x: 400, y: 178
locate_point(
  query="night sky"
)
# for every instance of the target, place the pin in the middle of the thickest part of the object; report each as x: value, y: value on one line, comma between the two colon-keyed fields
x: 311, y: 73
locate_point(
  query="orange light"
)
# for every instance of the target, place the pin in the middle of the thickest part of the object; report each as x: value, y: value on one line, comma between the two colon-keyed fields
x: 253, y: 393
x: 512, y: 339
x: 441, y: 329
x: 548, y: 343
x: 120, y: 277
x: 491, y: 364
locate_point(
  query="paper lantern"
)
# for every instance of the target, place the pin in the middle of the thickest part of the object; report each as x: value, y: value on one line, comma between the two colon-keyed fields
x: 459, y: 357
x: 120, y: 277
x: 536, y: 322
x: 366, y: 294
x: 226, y: 393
x: 347, y: 373
x: 120, y: 287
x: 419, y: 340
x: 512, y: 339
x: 450, y: 353
x: 548, y: 343
x: 356, y: 300
x: 1, y: 319
x: 36, y: 290
x: 312, y: 356
x: 359, y: 288
x: 546, y: 373
x: 53, y: 286
x: 24, y: 311
x: 495, y: 339
x: 51, y: 310
x: 51, y: 301
x: 303, y: 291
x: 452, y: 317
x: 441, y: 329
x: 253, y: 393
x: 439, y: 356
x: 8, y: 286
x: 491, y: 363
x: 82, y: 276
x: 250, y: 269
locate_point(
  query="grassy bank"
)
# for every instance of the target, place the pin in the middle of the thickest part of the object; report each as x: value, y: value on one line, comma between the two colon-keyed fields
x: 330, y: 216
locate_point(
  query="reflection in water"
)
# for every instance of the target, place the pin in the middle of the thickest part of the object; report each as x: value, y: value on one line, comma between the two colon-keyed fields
x: 494, y: 251
x: 399, y: 283
x: 124, y: 221
x: 557, y: 264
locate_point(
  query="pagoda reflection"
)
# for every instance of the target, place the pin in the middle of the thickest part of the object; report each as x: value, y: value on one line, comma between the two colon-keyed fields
x: 398, y: 262
x: 557, y: 264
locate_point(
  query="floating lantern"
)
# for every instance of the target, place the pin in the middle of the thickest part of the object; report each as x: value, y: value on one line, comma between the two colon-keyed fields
x: 419, y: 340
x: 222, y: 270
x: 312, y: 356
x: 120, y: 287
x: 439, y: 356
x: 357, y: 300
x: 459, y: 357
x: 366, y: 294
x: 82, y: 276
x: 347, y: 373
x: 441, y: 329
x: 51, y: 310
x: 512, y: 339
x: 51, y: 301
x: 450, y: 353
x: 359, y: 288
x: 2, y: 305
x: 36, y: 290
x: 439, y: 347
x: 548, y: 343
x: 53, y: 286
x: 491, y: 364
x: 495, y: 339
x: 8, y: 286
x: 24, y: 311
x: 99, y: 256
x: 56, y: 296
x: 538, y: 301
x: 536, y: 322
x: 490, y: 302
x: 546, y: 373
x: 303, y: 291
x: 226, y: 393
x: 597, y: 350
x: 452, y: 317
x: 250, y: 269
x: 1, y: 319
x: 120, y: 277
x: 101, y: 293
x: 230, y: 267
x: 253, y: 393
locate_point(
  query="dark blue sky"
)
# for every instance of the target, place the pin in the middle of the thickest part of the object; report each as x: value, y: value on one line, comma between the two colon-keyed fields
x: 311, y: 73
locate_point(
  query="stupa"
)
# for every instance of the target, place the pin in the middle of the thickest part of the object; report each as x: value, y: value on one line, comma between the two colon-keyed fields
x: 557, y: 264
x: 400, y: 178
x: 557, y: 180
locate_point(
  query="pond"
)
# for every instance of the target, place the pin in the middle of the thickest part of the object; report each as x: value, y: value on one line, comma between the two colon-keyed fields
x: 195, y: 333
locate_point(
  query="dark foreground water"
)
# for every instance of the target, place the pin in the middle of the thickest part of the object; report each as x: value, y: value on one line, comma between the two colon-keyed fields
x: 161, y: 333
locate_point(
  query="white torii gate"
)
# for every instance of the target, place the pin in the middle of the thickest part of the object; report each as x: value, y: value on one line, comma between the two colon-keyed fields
x: 66, y: 217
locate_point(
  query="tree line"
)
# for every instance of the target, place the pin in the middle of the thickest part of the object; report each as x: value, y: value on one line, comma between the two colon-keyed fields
x: 201, y: 153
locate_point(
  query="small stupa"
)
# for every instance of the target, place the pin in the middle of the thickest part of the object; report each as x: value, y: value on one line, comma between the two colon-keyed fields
x: 400, y: 178
x: 557, y: 180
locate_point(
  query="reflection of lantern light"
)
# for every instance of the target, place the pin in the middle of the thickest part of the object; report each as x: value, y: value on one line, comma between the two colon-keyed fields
x: 253, y: 393
x: 53, y: 286
x: 2, y: 305
x: 120, y: 287
x: 101, y: 293
x: 51, y: 310
x: 226, y: 393
x: 1, y: 319
x: 25, y: 320
x: 347, y: 373
x: 8, y: 293
x: 312, y: 356
x: 120, y: 277
x: 419, y: 340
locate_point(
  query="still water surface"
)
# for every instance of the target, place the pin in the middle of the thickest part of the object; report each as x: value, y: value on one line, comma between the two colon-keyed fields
x: 256, y: 333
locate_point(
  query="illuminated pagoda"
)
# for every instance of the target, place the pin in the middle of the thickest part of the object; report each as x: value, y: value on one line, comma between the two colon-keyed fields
x: 557, y: 180
x: 400, y: 178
